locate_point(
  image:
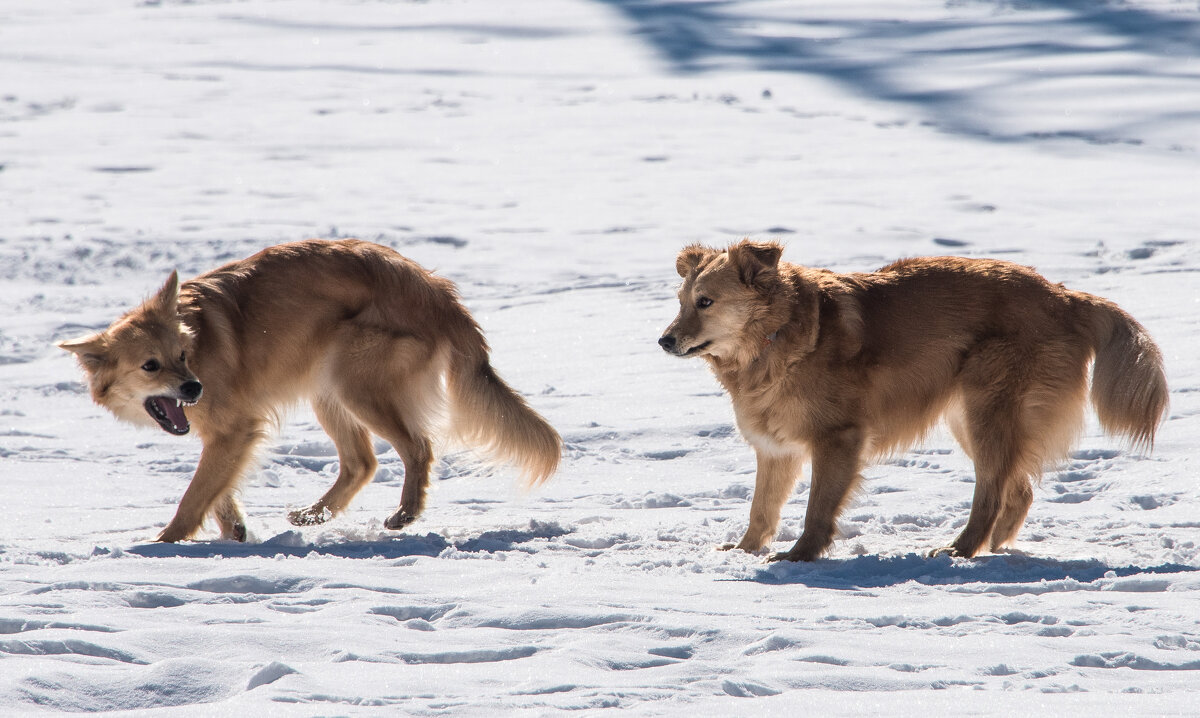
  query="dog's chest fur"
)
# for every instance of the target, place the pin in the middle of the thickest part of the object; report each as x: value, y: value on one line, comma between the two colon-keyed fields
x: 780, y: 403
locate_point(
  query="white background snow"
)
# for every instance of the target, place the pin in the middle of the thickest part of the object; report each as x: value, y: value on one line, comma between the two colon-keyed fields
x: 551, y: 156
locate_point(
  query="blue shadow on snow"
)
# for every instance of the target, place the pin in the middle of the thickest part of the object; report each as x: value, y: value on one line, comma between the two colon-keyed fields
x: 878, y: 57
x: 1004, y: 573
x: 290, y: 544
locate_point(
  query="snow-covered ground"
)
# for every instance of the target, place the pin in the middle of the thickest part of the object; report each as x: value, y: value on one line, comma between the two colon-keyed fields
x: 551, y: 156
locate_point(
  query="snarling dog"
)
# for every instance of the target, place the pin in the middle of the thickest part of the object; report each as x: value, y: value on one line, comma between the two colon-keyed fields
x: 376, y: 343
x: 844, y: 368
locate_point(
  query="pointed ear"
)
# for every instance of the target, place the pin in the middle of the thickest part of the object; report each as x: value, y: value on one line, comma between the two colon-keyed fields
x: 167, y: 298
x: 689, y: 258
x: 754, y: 259
x: 91, y: 350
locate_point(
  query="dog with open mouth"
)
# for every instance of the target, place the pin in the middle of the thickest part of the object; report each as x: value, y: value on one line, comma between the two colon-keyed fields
x: 376, y: 343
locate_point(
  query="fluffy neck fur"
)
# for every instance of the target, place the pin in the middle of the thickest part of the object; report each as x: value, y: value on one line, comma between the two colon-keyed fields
x: 774, y: 317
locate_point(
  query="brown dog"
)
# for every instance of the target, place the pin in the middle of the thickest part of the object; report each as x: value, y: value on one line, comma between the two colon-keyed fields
x: 844, y: 368
x: 376, y: 343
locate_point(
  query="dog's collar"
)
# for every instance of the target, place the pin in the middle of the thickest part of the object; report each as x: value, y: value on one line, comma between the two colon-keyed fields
x: 770, y: 339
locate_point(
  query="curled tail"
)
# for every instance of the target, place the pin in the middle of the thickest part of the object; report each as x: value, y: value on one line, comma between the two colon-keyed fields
x: 488, y: 414
x: 1129, y: 386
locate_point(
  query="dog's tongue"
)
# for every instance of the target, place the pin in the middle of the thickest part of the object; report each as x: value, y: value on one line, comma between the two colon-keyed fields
x: 169, y: 414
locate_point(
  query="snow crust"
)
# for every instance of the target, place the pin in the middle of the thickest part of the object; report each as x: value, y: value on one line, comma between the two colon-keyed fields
x: 551, y: 156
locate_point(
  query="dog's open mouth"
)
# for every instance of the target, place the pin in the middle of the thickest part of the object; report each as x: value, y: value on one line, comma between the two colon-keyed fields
x: 169, y: 414
x: 697, y: 348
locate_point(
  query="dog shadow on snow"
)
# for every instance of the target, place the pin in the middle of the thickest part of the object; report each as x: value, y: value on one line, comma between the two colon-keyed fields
x: 1010, y: 573
x: 292, y: 544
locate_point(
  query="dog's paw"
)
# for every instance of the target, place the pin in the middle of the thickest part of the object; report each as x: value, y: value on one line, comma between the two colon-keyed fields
x: 171, y: 535
x: 399, y: 520
x: 310, y: 516
x: 749, y: 543
x: 950, y: 551
x: 740, y: 546
x: 237, y: 532
x: 805, y: 555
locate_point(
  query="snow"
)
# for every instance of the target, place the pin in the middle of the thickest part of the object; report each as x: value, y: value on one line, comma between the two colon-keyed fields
x: 551, y: 156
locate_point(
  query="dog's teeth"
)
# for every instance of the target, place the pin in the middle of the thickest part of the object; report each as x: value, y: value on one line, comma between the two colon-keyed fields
x: 178, y: 403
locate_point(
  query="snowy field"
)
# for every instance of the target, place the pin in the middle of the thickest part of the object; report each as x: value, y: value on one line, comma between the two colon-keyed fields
x: 551, y: 156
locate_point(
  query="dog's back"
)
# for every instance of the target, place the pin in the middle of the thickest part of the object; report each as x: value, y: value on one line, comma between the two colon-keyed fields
x: 913, y: 332
x: 1003, y: 355
x: 268, y: 327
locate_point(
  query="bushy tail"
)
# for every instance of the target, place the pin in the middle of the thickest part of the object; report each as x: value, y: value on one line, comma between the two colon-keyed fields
x: 1129, y: 386
x: 489, y: 415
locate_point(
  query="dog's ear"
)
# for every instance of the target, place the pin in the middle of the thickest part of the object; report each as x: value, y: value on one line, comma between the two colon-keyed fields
x: 91, y: 350
x: 753, y: 260
x: 806, y: 308
x: 689, y: 258
x: 167, y: 299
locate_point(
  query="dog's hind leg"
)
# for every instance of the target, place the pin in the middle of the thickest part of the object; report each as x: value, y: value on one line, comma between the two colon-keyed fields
x: 223, y: 460
x: 415, y: 449
x: 392, y: 385
x: 773, y: 484
x: 835, y: 465
x: 996, y: 380
x: 990, y: 428
x: 1050, y: 419
x: 417, y: 453
x: 384, y: 416
x: 356, y: 462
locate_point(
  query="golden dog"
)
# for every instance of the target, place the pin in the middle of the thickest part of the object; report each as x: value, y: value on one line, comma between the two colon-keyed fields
x: 376, y: 343
x: 844, y: 368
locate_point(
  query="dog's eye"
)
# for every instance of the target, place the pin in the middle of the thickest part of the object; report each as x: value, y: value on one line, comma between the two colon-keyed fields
x: 703, y: 302
x: 151, y: 365
x: 182, y: 357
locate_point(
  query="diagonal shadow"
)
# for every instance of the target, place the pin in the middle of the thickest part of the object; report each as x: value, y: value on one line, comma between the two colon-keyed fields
x: 1008, y: 574
x: 887, y: 59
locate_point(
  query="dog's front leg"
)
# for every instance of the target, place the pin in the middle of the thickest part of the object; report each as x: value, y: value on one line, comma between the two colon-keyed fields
x: 773, y: 484
x: 836, y: 458
x: 230, y: 517
x: 222, y: 462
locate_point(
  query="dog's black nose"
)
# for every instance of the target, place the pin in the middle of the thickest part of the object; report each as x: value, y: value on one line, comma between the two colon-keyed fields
x: 667, y: 342
x: 191, y: 390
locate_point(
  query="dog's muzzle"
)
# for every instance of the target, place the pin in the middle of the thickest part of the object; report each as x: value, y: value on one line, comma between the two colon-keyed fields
x: 671, y: 345
x: 191, y: 390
